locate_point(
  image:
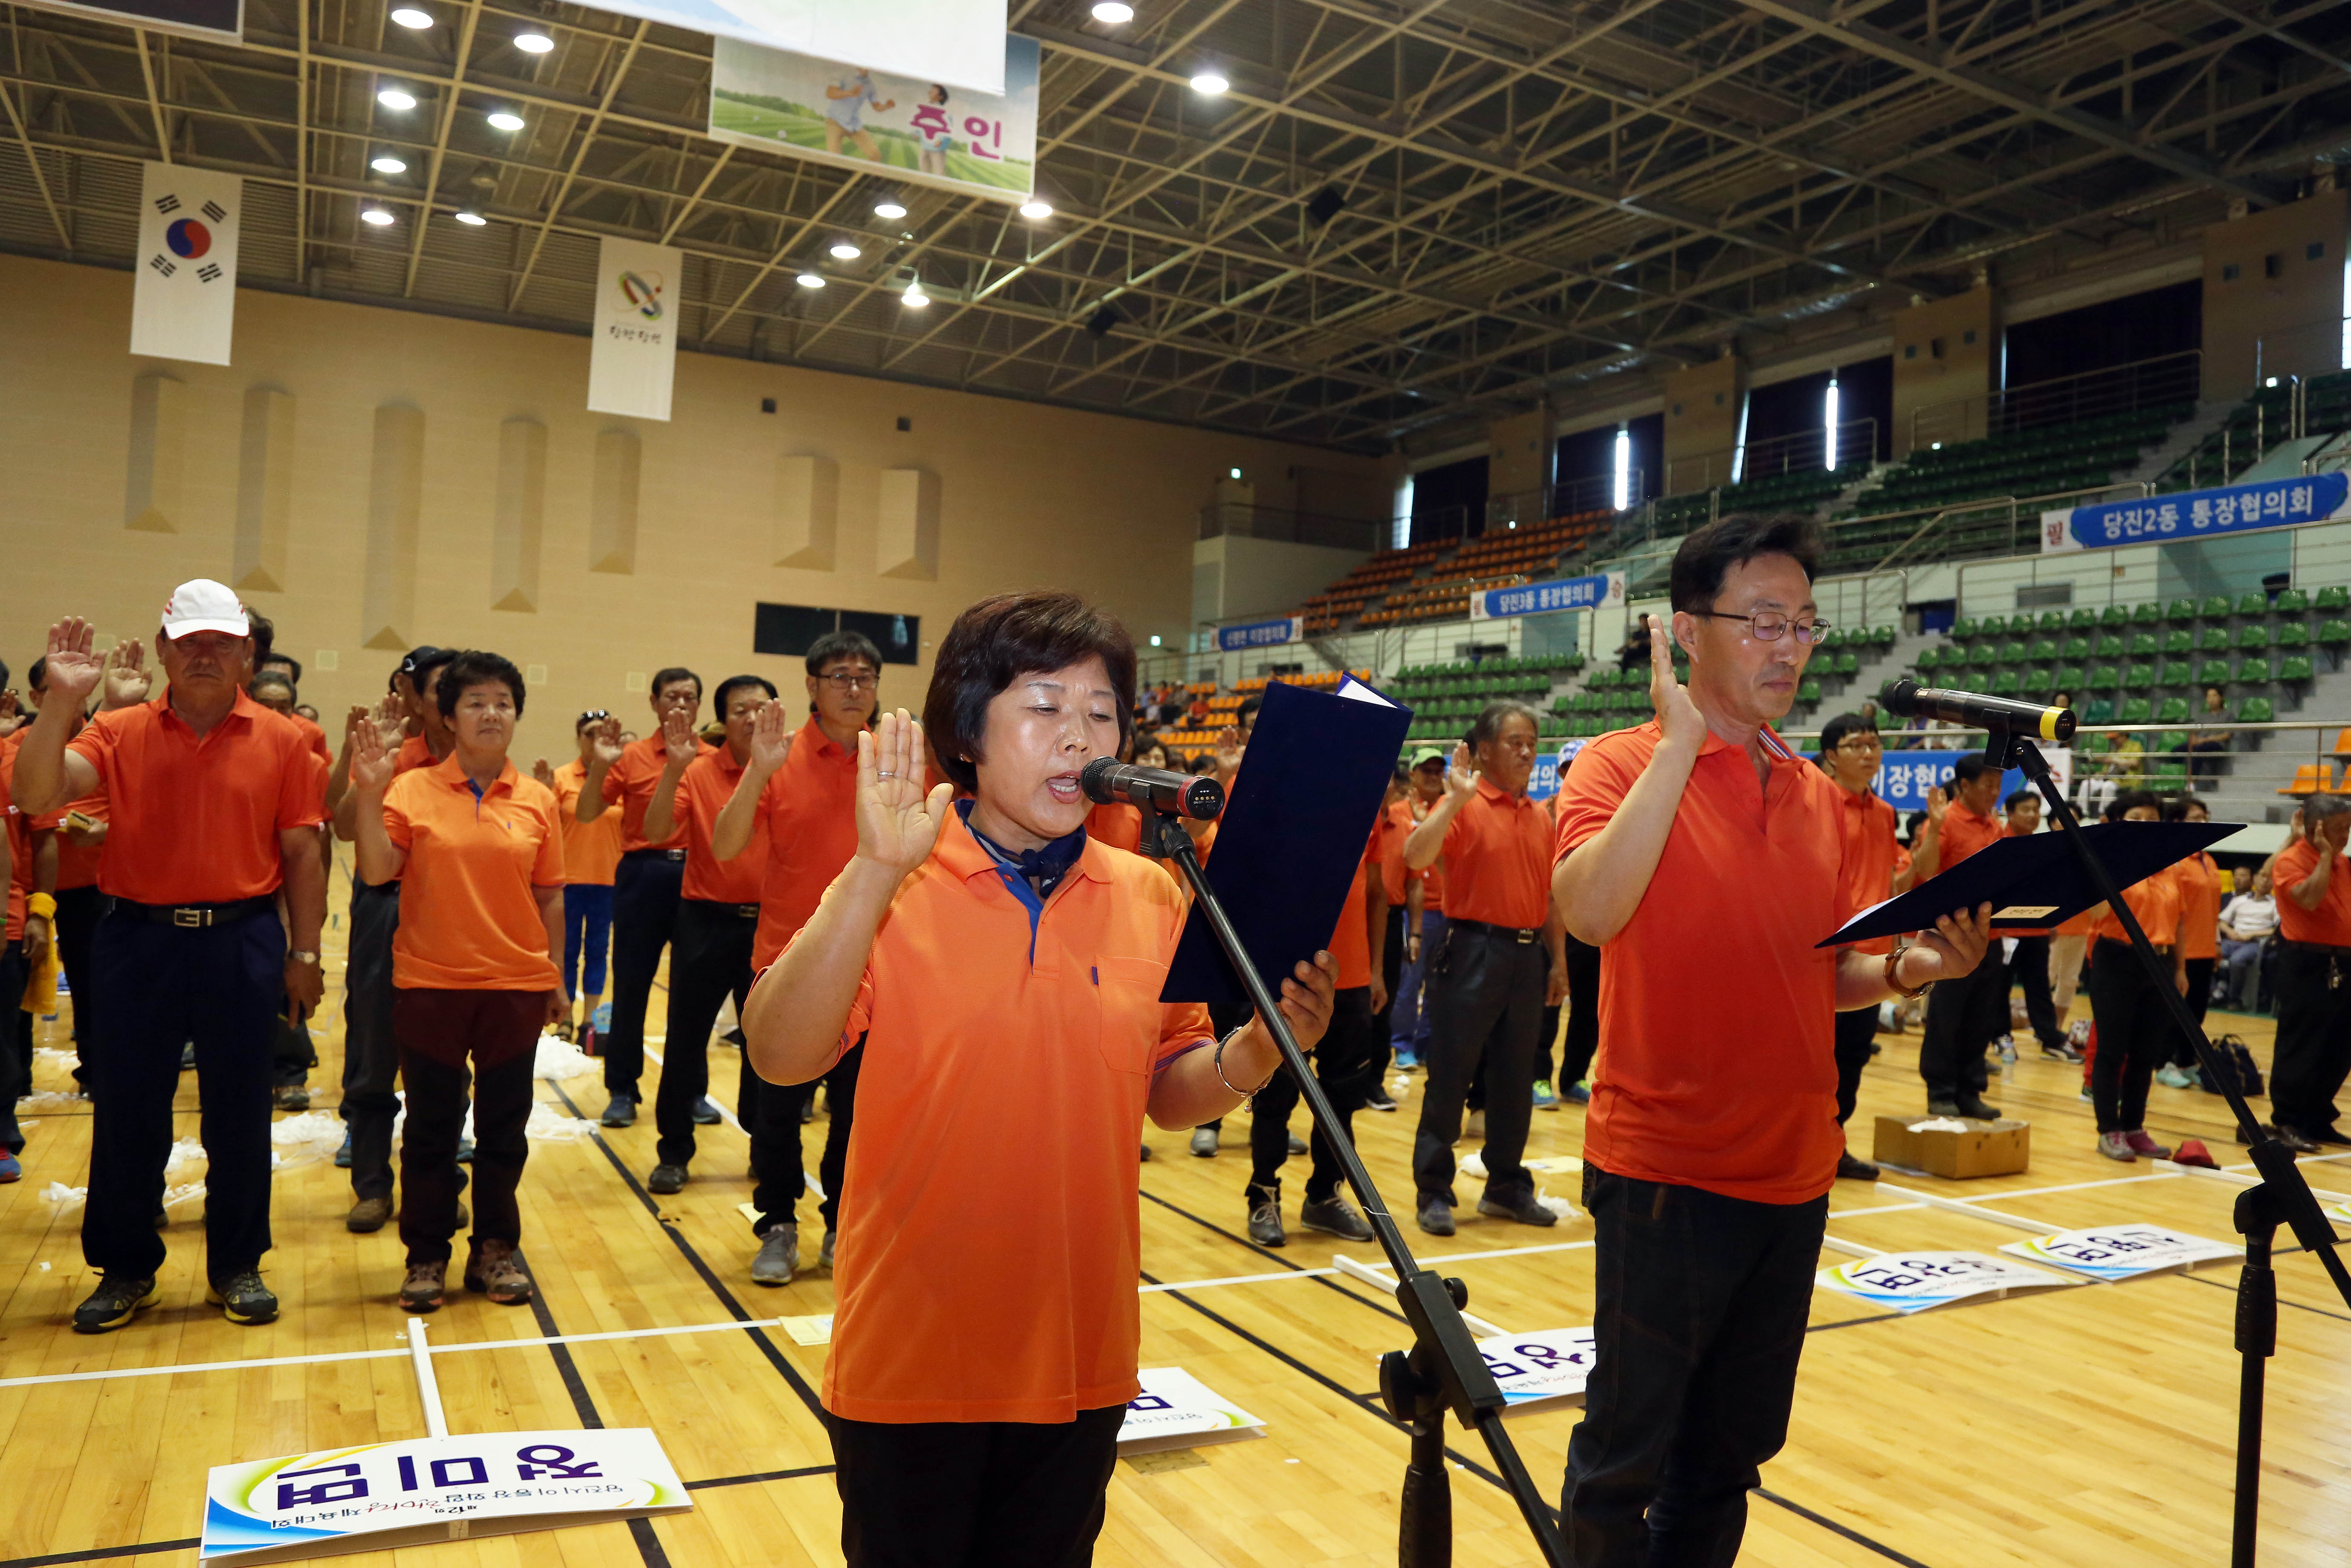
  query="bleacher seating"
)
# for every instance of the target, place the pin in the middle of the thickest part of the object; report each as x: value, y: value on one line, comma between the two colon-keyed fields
x: 1347, y: 597
x: 2260, y: 421
x: 1797, y: 490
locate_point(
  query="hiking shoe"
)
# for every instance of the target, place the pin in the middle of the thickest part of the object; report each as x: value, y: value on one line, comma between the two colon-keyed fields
x: 290, y: 1097
x: 420, y: 1291
x: 343, y: 1155
x: 620, y: 1111
x: 244, y: 1299
x: 1942, y: 1107
x: 2114, y: 1147
x: 1204, y: 1142
x: 494, y: 1269
x: 1851, y: 1169
x: 1978, y: 1109
x: 1577, y: 1093
x: 1435, y: 1216
x: 1377, y: 1100
x: 117, y: 1298
x: 665, y: 1179
x: 2141, y: 1143
x: 1544, y: 1099
x: 2063, y: 1050
x: 1526, y: 1210
x: 1265, y: 1218
x: 368, y: 1216
x: 780, y: 1254
x: 824, y: 1253
x: 705, y: 1112
x: 1334, y: 1216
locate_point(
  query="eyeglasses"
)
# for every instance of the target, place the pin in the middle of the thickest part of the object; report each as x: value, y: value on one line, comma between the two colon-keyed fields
x: 1861, y: 742
x: 595, y: 715
x: 1770, y: 626
x: 843, y: 681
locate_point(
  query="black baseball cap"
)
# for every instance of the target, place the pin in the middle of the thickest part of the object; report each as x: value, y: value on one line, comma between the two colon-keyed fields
x: 421, y: 658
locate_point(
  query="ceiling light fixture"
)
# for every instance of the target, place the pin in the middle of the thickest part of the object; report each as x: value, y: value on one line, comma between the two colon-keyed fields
x: 809, y: 280
x: 888, y: 205
x: 388, y: 165
x: 410, y: 16
x: 470, y: 219
x: 379, y: 216
x: 506, y: 120
x: 915, y: 298
x: 533, y: 43
x: 392, y: 97
x: 1113, y: 12
x: 1208, y: 84
x: 845, y: 250
x: 1037, y: 209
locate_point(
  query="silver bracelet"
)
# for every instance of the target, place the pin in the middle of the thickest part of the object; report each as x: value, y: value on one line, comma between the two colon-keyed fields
x: 1219, y: 1062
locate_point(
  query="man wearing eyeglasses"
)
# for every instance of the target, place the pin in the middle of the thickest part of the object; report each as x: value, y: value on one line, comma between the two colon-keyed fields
x: 799, y: 788
x: 1705, y: 859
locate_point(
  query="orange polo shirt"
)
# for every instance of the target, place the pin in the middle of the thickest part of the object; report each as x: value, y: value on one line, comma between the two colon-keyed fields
x: 1051, y: 1033
x: 1432, y: 876
x: 1498, y: 859
x: 197, y: 821
x: 1717, y: 1067
x: 469, y: 918
x: 1351, y: 943
x: 1965, y: 833
x: 76, y: 864
x: 21, y: 840
x: 2329, y: 924
x: 315, y: 736
x: 1117, y: 824
x: 2200, y: 905
x: 1395, y: 826
x: 2155, y: 900
x: 1870, y: 853
x: 590, y: 850
x: 628, y: 783
x: 703, y: 791
x: 810, y: 808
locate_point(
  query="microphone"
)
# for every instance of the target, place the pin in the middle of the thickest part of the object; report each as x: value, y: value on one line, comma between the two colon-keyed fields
x: 2000, y: 715
x: 1110, y: 781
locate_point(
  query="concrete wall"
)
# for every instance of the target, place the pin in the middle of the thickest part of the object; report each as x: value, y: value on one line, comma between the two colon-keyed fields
x: 1946, y: 358
x: 2274, y: 300
x: 1233, y: 575
x: 1703, y: 404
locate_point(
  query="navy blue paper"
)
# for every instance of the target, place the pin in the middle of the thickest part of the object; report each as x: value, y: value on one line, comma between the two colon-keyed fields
x: 1301, y: 809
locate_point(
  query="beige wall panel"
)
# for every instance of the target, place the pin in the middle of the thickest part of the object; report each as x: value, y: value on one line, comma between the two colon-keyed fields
x: 808, y: 511
x: 395, y: 514
x: 906, y: 524
x: 522, y: 515
x: 264, y: 491
x: 2273, y: 301
x: 612, y: 521
x: 154, y: 485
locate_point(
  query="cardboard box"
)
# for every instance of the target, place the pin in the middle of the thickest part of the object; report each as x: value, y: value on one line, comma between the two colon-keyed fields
x: 1986, y: 1148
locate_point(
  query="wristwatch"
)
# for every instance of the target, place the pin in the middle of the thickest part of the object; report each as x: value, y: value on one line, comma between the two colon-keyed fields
x: 299, y: 956
x: 1893, y: 978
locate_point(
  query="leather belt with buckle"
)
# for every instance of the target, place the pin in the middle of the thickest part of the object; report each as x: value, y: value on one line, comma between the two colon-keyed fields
x: 195, y: 917
x: 1523, y: 935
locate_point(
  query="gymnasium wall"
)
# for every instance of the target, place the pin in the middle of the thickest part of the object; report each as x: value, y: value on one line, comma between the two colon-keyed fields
x: 371, y: 478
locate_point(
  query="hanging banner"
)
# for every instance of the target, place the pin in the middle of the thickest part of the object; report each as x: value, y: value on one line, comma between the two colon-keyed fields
x: 1260, y: 634
x: 1905, y: 776
x: 635, y: 353
x: 2122, y: 1251
x: 1915, y: 1281
x: 183, y: 305
x: 913, y: 128
x: 1177, y: 1410
x: 2201, y: 514
x: 220, y: 21
x: 1541, y: 598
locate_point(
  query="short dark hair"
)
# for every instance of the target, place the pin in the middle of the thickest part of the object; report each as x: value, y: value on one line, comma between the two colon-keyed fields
x: 1201, y: 762
x: 263, y: 633
x: 420, y: 664
x: 2128, y: 802
x: 36, y: 677
x: 1488, y: 725
x: 293, y: 665
x: 2176, y: 809
x: 995, y: 643
x: 842, y: 644
x: 725, y: 686
x: 474, y: 667
x: 2017, y: 798
x: 270, y: 678
x: 1912, y: 823
x: 1247, y: 713
x: 676, y: 672
x: 1970, y: 767
x: 1707, y: 554
x: 1833, y: 733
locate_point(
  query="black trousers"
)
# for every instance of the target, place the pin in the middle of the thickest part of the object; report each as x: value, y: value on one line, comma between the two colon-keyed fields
x: 80, y: 909
x: 371, y: 1053
x: 2200, y: 1002
x: 1486, y: 998
x: 1699, y: 1314
x: 15, y: 1081
x: 2029, y: 970
x: 449, y: 1041
x: 781, y: 1178
x: 164, y: 986
x: 1347, y: 1064
x: 1962, y: 1017
x: 646, y: 896
x: 2314, y: 1036
x: 1582, y: 1014
x: 974, y: 1494
x: 1855, y: 1032
x: 2134, y: 1034
x: 709, y: 960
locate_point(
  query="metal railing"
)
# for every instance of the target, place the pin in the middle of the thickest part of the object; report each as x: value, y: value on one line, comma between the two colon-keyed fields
x: 1797, y: 452
x: 2061, y: 400
x: 1288, y: 525
x: 1970, y: 510
x: 1570, y: 498
x: 2126, y: 575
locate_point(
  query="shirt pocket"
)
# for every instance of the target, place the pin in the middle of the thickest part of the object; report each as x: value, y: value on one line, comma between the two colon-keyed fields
x: 1127, y: 1003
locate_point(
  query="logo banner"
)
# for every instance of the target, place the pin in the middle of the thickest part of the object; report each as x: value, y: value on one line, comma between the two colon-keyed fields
x: 635, y: 353
x: 1905, y: 776
x: 1177, y: 1410
x: 2122, y: 1251
x: 2201, y: 514
x: 1260, y: 634
x: 1543, y: 597
x: 1916, y: 1281
x: 910, y: 128
x: 183, y: 305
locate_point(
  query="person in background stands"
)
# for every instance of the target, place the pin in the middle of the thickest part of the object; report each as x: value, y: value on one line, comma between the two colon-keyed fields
x: 1873, y: 869
x: 801, y: 787
x: 1409, y: 1019
x: 478, y: 854
x: 2200, y: 942
x: 649, y: 881
x: 2248, y: 923
x: 1500, y: 966
x: 2312, y: 978
x: 215, y: 803
x: 718, y: 915
x: 2029, y: 965
x: 81, y: 841
x: 590, y: 852
x: 1963, y: 1016
x: 2135, y: 1027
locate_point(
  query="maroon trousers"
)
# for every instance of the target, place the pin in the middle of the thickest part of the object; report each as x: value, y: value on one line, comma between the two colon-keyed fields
x: 439, y: 1032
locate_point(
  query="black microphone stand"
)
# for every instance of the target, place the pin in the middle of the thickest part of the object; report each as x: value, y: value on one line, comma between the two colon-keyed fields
x: 1443, y: 1370
x: 2282, y: 1197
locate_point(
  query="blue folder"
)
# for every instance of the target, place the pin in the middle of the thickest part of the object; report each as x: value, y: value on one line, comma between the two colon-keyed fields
x: 2035, y: 882
x: 1301, y: 809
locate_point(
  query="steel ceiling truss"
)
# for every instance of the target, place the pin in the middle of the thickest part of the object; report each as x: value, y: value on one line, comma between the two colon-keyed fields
x: 1537, y: 195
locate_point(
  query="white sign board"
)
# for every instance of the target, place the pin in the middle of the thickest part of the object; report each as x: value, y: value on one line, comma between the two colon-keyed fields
x: 374, y: 1496
x: 2057, y: 532
x: 958, y: 42
x: 1536, y: 1370
x: 2122, y: 1251
x: 633, y: 358
x: 1915, y: 1281
x: 1177, y: 1410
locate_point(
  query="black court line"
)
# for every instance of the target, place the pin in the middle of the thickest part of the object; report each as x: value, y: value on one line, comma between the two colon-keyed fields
x: 98, y: 1553
x: 1825, y: 1522
x: 743, y: 1481
x: 649, y: 1546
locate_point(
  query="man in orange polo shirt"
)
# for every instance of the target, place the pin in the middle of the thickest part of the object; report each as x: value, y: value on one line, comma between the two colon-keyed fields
x: 1500, y: 966
x: 81, y: 840
x: 1408, y: 1016
x: 2312, y: 978
x: 2199, y: 941
x: 590, y: 852
x: 216, y: 801
x: 1704, y: 858
x: 799, y: 794
x: 649, y: 881
x: 1964, y: 1017
x: 710, y: 952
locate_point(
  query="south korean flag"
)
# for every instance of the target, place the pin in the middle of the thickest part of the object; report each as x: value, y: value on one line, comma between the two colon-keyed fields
x: 184, y: 303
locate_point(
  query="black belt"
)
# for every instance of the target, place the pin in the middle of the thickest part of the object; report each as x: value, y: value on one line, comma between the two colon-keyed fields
x: 2331, y: 952
x: 1521, y: 934
x: 196, y: 916
x: 719, y: 906
x: 653, y: 855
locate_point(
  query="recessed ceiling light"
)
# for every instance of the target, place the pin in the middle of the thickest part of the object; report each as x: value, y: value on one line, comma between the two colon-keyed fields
x: 915, y: 298
x: 379, y: 217
x: 1209, y: 84
x: 889, y: 206
x: 809, y: 280
x: 388, y: 165
x: 410, y: 16
x: 472, y: 220
x: 843, y: 250
x: 1036, y: 207
x: 392, y: 97
x: 533, y: 43
x: 505, y: 121
x: 1113, y: 11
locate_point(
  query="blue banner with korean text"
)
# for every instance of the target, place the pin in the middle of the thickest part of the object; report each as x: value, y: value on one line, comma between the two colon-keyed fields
x: 1260, y: 634
x: 1543, y: 597
x: 2200, y: 514
x: 1905, y: 776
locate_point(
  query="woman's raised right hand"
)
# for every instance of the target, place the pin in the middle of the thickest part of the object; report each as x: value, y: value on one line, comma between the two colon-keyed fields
x: 897, y: 823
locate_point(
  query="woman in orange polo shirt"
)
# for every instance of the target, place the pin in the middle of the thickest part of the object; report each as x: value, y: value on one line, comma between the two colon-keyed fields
x: 2135, y: 1027
x: 474, y: 967
x: 2200, y: 940
x: 1004, y: 972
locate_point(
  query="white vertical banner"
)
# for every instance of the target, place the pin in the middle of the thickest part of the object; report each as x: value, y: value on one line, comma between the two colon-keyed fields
x: 635, y: 353
x: 183, y: 305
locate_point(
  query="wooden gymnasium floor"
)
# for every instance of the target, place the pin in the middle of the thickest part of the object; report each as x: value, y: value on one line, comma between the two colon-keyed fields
x: 2090, y: 1424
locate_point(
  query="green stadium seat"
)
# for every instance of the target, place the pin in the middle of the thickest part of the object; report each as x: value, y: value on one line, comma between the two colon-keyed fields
x: 2143, y: 646
x: 2173, y: 674
x: 1964, y: 628
x: 2051, y: 621
x: 1881, y: 636
x: 1847, y: 662
x: 2216, y: 608
x: 2006, y: 684
x: 2098, y: 710
x: 2170, y: 775
x: 2213, y: 639
x: 2257, y: 710
x: 2068, y: 678
x: 1992, y: 626
x: 1932, y: 658
x: 2037, y: 682
x: 2096, y: 742
x: 2173, y: 711
x: 2113, y: 616
x: 2136, y: 710
x: 2333, y: 634
x: 2254, y: 602
x: 2011, y: 652
x: 2138, y: 674
x: 2292, y: 602
x: 2293, y: 635
x: 2295, y: 669
x: 2254, y: 634
x: 2146, y: 614
x: 1808, y: 692
x: 1983, y: 656
x: 2178, y: 643
x: 2103, y: 677
x: 2179, y: 610
x: 2336, y: 598
x: 2110, y: 646
x: 2043, y: 651
x: 2075, y: 648
x: 2082, y: 620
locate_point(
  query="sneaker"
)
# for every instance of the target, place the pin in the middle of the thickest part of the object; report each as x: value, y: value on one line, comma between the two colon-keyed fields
x: 2114, y: 1147
x: 2293, y: 1139
x: 115, y: 1301
x: 620, y: 1111
x: 1297, y: 1145
x: 188, y: 1056
x: 2171, y: 1077
x: 464, y: 1151
x: 780, y: 1254
x: 343, y: 1155
x: 1377, y: 1100
x: 290, y: 1097
x: 1204, y: 1142
x: 2141, y: 1143
x: 368, y: 1216
x: 2063, y: 1050
x: 705, y: 1112
x: 1334, y: 1216
x: 494, y: 1269
x: 1475, y: 1125
x: 420, y: 1291
x: 1577, y: 1093
x: 1265, y: 1218
x: 1436, y: 1218
x: 1544, y: 1099
x: 1978, y: 1109
x: 824, y: 1253
x: 244, y: 1299
x: 1851, y: 1169
x: 1527, y: 1210
x: 1942, y: 1107
x: 665, y: 1179
x: 10, y: 1168
x: 1407, y: 1059
x: 2077, y: 1034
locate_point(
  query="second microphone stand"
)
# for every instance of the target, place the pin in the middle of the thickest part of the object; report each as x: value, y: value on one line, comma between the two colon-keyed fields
x: 1443, y: 1370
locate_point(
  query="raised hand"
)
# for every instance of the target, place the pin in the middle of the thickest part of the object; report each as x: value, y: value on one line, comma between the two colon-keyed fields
x: 127, y: 680
x: 73, y: 672
x: 771, y: 738
x: 1937, y: 802
x: 1461, y: 775
x: 374, y: 759
x: 608, y: 742
x: 896, y: 822
x: 1678, y: 716
x: 1229, y: 748
x: 678, y: 739
x: 543, y: 773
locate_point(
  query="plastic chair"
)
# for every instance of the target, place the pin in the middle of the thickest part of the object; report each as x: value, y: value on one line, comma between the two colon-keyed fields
x: 2254, y: 634
x: 2295, y: 669
x: 2146, y: 614
x: 2136, y: 710
x: 2293, y: 635
x: 2216, y: 608
x: 2173, y: 711
x: 2257, y: 710
x: 2179, y: 641
x: 2343, y: 743
x: 2113, y: 616
x: 2311, y: 778
x: 2110, y: 646
x: 2254, y: 602
x: 2007, y: 683
x: 2082, y: 620
x: 2179, y: 610
x: 2292, y: 601
x: 2334, y: 597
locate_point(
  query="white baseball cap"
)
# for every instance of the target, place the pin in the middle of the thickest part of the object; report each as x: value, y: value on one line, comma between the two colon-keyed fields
x: 203, y: 605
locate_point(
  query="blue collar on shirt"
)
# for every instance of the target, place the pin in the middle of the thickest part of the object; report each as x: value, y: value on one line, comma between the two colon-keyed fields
x: 1048, y: 865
